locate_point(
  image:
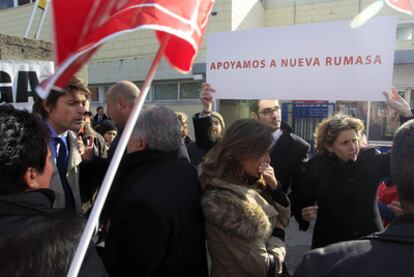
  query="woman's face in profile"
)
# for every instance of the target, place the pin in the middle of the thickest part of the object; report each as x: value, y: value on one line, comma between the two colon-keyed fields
x: 251, y: 165
x: 346, y: 145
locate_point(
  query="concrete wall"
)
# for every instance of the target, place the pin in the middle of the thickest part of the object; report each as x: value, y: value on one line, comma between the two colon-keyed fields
x: 18, y: 48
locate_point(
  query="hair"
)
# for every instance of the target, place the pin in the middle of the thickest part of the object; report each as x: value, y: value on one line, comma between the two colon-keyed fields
x: 159, y: 127
x: 402, y: 161
x: 23, y: 144
x: 75, y: 85
x: 125, y: 90
x: 99, y: 108
x: 253, y: 105
x: 244, y: 139
x: 330, y: 128
x: 183, y: 119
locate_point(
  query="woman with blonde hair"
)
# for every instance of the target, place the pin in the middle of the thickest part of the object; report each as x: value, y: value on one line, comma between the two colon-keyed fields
x: 244, y: 206
x: 340, y: 183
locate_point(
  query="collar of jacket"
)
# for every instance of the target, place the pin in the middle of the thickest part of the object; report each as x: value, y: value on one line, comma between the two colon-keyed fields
x: 148, y: 158
x: 238, y: 210
x: 31, y: 202
x: 400, y: 230
x: 286, y: 127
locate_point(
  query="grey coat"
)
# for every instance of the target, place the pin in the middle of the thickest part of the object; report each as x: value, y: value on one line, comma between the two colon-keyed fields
x: 72, y: 176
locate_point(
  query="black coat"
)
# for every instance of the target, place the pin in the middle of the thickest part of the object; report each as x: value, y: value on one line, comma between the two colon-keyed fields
x: 288, y: 156
x: 346, y: 193
x: 390, y: 253
x: 39, y: 240
x: 156, y: 227
x: 201, y: 132
x: 194, y: 152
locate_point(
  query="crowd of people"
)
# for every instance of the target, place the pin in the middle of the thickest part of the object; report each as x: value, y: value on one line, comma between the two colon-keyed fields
x: 227, y: 195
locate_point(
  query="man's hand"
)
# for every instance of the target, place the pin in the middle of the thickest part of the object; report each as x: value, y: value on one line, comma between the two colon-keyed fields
x: 206, y: 97
x: 397, y: 103
x: 268, y: 175
x: 309, y: 213
x: 86, y: 151
x: 395, y: 207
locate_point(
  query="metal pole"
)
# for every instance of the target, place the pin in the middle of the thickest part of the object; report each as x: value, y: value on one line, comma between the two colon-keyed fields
x: 29, y: 25
x: 42, y: 19
x: 113, y: 167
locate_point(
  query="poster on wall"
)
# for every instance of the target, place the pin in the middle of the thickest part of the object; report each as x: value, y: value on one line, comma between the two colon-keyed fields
x: 18, y: 80
x: 321, y: 61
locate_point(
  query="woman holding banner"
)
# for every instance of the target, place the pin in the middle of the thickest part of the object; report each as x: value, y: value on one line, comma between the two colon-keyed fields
x: 340, y: 183
x: 244, y: 206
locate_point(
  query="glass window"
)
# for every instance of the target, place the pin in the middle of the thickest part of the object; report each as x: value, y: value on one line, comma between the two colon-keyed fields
x: 22, y: 2
x: 190, y: 90
x: 94, y: 93
x: 358, y: 109
x: 166, y: 91
x: 383, y: 122
x: 4, y: 4
x: 139, y: 85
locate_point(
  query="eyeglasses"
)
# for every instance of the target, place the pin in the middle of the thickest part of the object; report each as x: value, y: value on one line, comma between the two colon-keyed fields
x: 269, y: 111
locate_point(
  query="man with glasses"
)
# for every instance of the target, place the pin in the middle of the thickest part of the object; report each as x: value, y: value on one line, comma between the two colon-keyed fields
x: 289, y: 152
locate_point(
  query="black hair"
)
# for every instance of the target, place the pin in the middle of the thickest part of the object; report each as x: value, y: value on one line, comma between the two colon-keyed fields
x: 23, y: 144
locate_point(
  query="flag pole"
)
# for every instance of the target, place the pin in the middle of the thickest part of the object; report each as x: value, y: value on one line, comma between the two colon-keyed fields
x: 42, y: 19
x: 113, y: 166
x: 29, y: 25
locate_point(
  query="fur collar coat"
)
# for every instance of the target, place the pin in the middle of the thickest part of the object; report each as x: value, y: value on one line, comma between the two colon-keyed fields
x: 239, y: 226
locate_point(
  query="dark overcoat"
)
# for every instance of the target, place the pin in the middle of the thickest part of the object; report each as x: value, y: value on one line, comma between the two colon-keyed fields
x: 346, y: 193
x: 156, y: 227
x: 390, y: 253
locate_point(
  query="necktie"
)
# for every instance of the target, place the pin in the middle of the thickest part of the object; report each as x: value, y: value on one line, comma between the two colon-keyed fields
x: 62, y: 165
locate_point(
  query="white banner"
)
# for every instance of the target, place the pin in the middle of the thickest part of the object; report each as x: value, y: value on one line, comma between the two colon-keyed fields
x: 324, y: 61
x: 18, y: 80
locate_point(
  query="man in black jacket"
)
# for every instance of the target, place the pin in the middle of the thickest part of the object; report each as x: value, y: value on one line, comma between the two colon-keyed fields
x: 289, y: 152
x: 156, y: 226
x: 388, y: 253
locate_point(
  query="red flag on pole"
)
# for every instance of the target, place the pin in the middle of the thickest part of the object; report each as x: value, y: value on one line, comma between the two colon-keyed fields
x: 81, y: 26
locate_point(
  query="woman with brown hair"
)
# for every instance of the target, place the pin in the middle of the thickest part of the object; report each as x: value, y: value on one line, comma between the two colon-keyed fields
x: 340, y: 183
x: 244, y: 206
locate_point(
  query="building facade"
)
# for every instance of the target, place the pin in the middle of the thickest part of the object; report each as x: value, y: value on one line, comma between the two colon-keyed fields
x: 129, y: 57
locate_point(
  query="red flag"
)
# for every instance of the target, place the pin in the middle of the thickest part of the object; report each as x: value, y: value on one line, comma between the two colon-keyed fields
x: 404, y: 6
x: 81, y: 26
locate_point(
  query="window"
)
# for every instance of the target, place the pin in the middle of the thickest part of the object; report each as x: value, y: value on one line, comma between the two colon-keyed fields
x: 139, y: 85
x: 4, y: 4
x: 94, y: 93
x: 190, y: 90
x: 405, y: 32
x: 165, y: 91
x: 22, y: 2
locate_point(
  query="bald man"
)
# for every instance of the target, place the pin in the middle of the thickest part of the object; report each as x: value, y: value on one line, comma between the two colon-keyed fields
x: 120, y: 99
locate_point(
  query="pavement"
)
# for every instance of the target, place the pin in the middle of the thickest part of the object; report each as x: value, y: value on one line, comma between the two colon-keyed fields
x: 297, y: 244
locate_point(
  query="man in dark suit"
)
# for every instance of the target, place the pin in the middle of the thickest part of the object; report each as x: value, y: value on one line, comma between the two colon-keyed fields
x: 63, y: 112
x: 388, y: 253
x: 289, y: 152
x: 156, y: 226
